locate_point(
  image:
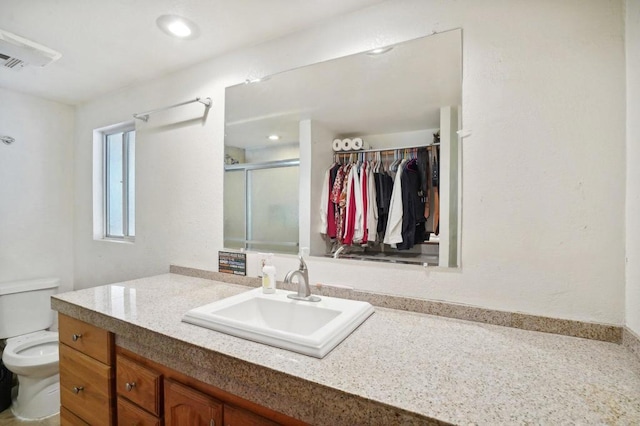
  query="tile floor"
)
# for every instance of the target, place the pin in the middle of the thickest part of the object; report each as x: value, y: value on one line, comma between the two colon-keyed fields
x: 7, y: 419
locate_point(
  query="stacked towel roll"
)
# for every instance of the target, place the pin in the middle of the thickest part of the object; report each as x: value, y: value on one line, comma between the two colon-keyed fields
x: 349, y: 144
x: 357, y: 143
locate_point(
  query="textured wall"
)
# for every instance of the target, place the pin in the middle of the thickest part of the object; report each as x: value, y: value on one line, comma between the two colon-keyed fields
x: 633, y: 165
x: 544, y: 171
x: 36, y: 189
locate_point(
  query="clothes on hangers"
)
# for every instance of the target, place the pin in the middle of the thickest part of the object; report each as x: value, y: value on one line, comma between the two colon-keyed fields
x: 362, y: 203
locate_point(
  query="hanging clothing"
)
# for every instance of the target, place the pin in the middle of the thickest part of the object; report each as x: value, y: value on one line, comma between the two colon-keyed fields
x: 435, y: 182
x: 413, y: 220
x: 325, y: 202
x: 350, y: 207
x: 338, y: 198
x: 372, y: 207
x: 363, y: 204
x: 423, y: 167
x: 384, y: 188
x: 327, y: 206
x: 393, y: 233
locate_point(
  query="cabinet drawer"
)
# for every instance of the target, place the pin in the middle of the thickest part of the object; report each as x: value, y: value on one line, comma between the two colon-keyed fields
x: 86, y: 387
x: 138, y: 384
x: 87, y: 338
x: 67, y: 418
x: 130, y: 414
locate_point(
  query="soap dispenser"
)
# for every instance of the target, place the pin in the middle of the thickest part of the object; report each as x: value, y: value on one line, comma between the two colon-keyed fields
x: 269, y: 276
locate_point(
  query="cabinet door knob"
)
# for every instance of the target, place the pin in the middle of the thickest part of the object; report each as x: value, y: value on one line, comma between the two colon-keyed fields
x: 75, y: 337
x: 77, y: 389
x: 130, y: 386
x: 212, y: 422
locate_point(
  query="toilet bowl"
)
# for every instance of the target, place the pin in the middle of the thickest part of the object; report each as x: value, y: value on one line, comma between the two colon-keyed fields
x: 33, y: 358
x: 31, y: 352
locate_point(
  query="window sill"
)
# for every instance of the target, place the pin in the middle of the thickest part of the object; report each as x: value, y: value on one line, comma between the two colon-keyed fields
x: 116, y: 240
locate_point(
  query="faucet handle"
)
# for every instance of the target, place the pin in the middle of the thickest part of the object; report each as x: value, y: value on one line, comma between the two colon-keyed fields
x: 301, y: 253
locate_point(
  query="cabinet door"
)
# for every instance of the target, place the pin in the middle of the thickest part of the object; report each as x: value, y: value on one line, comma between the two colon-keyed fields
x: 131, y: 415
x: 234, y: 416
x: 184, y: 406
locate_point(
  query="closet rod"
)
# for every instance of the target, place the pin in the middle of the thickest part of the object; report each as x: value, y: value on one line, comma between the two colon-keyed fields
x: 385, y: 149
x: 144, y: 116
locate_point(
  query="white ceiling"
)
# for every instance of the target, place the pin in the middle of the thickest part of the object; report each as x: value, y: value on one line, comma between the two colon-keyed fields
x: 110, y: 44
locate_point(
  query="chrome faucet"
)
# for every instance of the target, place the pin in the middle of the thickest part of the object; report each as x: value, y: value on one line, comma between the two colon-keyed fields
x: 304, y: 291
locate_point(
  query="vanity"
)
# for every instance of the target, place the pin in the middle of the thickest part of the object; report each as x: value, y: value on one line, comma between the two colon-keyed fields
x: 398, y: 367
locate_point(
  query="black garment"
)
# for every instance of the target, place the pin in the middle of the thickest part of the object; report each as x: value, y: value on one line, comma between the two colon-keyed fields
x: 435, y: 182
x: 425, y: 174
x: 384, y: 188
x: 413, y: 221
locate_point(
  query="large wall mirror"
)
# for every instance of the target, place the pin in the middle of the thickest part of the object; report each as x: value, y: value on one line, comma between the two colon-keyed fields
x: 313, y: 156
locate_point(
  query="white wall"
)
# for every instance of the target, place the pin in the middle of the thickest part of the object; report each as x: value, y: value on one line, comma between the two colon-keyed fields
x: 36, y: 189
x: 543, y: 177
x: 633, y: 165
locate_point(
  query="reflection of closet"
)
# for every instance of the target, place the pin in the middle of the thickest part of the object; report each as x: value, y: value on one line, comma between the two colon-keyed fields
x: 315, y: 158
x: 383, y: 203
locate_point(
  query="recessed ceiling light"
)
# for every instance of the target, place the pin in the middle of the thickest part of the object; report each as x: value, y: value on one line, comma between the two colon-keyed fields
x: 379, y: 51
x: 177, y: 26
x: 274, y: 137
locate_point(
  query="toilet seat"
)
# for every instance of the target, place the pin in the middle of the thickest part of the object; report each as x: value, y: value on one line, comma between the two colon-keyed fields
x: 30, y: 350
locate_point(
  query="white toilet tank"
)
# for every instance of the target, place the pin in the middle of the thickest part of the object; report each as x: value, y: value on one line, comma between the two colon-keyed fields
x: 25, y: 306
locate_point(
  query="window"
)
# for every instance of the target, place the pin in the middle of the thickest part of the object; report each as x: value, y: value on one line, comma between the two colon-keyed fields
x: 119, y: 183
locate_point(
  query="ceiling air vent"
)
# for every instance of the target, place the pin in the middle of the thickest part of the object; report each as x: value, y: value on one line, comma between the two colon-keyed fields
x: 17, y: 52
x: 12, y: 63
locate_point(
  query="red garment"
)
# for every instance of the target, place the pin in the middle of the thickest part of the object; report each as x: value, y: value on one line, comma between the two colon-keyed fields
x: 338, y: 200
x: 351, y: 212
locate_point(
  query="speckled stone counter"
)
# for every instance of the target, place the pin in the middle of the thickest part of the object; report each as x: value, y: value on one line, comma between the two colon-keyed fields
x: 397, y: 368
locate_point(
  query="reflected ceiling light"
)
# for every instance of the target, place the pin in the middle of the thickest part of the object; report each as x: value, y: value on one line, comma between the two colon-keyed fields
x: 274, y: 137
x: 177, y: 26
x: 379, y: 51
x: 255, y: 80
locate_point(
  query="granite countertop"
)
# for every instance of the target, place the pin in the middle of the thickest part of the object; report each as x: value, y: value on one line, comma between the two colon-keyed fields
x: 398, y: 367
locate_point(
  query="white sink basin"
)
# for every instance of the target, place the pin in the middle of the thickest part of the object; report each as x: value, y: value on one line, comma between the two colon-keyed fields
x: 310, y: 328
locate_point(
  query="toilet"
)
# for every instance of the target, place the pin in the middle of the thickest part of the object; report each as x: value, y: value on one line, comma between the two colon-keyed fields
x: 30, y: 351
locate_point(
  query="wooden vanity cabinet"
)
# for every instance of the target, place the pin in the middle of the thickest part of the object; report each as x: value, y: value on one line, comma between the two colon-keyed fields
x: 101, y: 384
x: 86, y: 373
x: 187, y: 401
